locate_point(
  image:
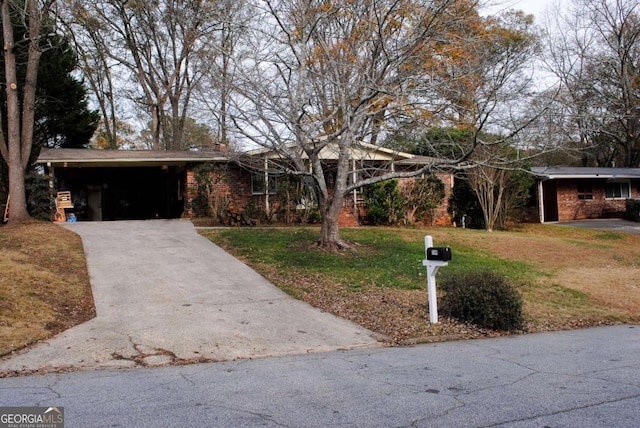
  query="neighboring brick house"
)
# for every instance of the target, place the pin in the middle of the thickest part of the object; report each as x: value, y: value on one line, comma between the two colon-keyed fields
x: 123, y: 185
x: 573, y: 193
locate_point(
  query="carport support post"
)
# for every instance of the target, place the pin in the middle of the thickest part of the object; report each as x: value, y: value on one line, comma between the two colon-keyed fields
x: 432, y: 269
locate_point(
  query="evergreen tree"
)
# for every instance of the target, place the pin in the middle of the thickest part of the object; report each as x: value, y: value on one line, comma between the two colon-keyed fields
x: 63, y: 116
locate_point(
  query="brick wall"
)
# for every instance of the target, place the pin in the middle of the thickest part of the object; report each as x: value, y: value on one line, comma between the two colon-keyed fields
x: 350, y: 214
x: 230, y: 182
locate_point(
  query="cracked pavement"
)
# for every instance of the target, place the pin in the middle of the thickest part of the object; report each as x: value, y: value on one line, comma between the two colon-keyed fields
x: 581, y: 378
x: 166, y: 295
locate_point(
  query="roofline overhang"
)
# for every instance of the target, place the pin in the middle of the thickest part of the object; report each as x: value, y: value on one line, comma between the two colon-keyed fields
x: 127, y: 162
x: 53, y: 158
x: 586, y: 176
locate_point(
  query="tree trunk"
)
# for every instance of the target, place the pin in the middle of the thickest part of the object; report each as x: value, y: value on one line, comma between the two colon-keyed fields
x: 329, y: 232
x: 15, y: 146
x: 330, y: 229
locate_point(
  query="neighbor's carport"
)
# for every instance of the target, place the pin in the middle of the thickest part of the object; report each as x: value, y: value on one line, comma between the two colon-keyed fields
x: 124, y: 184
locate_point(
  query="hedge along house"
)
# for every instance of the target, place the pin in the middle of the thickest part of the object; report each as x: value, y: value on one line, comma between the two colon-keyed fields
x: 573, y: 193
x: 233, y: 189
x: 124, y: 184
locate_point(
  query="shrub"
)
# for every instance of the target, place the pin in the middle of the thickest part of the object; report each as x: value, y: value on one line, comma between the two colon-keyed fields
x: 382, y: 202
x: 485, y: 299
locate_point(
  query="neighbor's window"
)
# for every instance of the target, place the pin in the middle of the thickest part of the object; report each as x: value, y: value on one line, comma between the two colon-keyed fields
x: 620, y: 190
x: 585, y: 192
x: 258, y: 186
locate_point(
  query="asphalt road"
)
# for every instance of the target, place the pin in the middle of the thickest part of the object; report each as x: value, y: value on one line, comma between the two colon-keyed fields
x: 583, y: 378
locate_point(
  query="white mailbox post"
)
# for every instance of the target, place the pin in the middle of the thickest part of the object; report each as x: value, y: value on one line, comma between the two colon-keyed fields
x: 433, y: 261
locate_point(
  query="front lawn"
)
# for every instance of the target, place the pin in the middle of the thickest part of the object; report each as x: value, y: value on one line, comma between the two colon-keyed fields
x: 568, y: 277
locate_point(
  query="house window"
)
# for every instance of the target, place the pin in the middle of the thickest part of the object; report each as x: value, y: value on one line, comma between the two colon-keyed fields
x: 617, y: 190
x: 585, y: 192
x: 258, y: 185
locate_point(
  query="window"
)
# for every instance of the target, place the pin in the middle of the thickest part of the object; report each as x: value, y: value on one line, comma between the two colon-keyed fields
x: 585, y: 192
x: 258, y: 187
x: 617, y: 190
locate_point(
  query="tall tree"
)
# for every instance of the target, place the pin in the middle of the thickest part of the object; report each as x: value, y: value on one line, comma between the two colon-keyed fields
x: 157, y: 45
x: 234, y: 17
x: 17, y: 140
x: 594, y: 50
x: 328, y: 76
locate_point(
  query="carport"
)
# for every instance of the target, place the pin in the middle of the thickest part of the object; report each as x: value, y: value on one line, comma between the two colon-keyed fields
x: 124, y: 184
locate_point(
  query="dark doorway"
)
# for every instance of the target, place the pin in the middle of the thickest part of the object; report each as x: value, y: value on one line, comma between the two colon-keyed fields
x: 550, y: 200
x: 124, y: 193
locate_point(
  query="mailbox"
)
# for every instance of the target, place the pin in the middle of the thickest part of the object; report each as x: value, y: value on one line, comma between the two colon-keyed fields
x: 442, y: 254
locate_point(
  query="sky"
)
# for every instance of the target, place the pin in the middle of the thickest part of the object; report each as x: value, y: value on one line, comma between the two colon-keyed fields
x: 534, y: 7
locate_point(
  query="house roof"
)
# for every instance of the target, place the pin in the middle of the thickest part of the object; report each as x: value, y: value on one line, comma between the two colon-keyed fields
x: 360, y: 151
x: 89, y: 157
x: 562, y: 172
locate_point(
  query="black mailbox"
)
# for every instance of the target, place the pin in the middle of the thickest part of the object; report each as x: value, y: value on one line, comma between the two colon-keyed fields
x: 442, y: 254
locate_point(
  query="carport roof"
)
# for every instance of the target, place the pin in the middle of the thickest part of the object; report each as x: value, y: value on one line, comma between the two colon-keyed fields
x: 561, y: 172
x: 90, y: 157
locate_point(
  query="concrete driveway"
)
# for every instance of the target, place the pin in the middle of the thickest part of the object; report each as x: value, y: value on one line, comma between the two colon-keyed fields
x: 165, y: 294
x: 613, y: 224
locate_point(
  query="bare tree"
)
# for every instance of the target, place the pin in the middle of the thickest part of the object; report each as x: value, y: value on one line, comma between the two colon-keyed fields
x: 594, y: 50
x: 223, y: 53
x: 500, y: 190
x: 99, y: 69
x: 328, y: 78
x: 159, y: 44
x: 16, y: 145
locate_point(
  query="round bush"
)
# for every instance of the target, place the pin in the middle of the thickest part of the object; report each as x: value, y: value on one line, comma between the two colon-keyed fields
x: 485, y: 299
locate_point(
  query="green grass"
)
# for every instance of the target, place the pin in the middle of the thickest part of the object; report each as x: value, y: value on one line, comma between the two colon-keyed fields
x: 613, y: 236
x: 383, y: 257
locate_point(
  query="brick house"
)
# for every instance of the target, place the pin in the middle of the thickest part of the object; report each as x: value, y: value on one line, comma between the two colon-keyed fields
x: 137, y: 184
x: 573, y: 193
